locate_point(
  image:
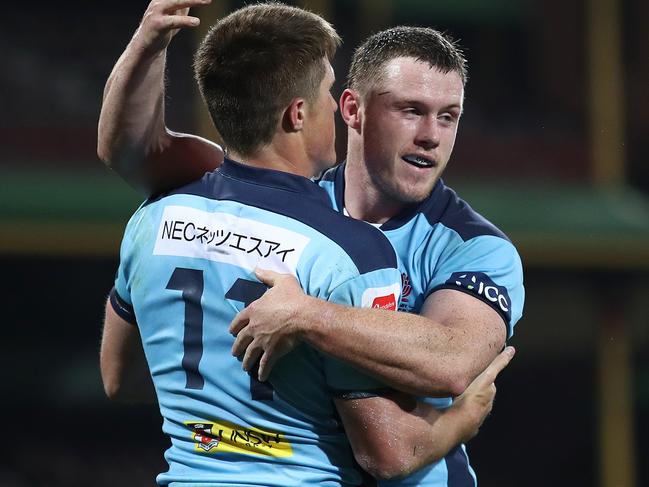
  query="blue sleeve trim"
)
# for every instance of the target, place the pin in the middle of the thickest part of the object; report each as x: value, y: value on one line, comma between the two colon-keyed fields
x: 351, y: 395
x: 496, y: 308
x: 122, y: 308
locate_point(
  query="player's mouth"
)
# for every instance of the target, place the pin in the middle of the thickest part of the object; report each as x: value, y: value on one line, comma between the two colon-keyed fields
x: 419, y: 161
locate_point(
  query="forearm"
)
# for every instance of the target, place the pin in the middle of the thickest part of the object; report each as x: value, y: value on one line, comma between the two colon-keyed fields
x: 132, y: 136
x: 131, y: 123
x: 430, y: 435
x: 419, y: 435
x: 411, y: 353
x: 135, y: 386
x: 445, y: 430
x: 126, y: 375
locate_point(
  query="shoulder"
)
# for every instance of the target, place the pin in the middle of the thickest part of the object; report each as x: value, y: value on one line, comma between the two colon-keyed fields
x: 367, y: 246
x: 446, y: 207
x: 464, y: 237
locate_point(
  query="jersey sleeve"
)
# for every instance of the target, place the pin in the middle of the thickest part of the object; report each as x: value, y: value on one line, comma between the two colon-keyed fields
x: 377, y: 289
x: 120, y: 294
x: 488, y: 268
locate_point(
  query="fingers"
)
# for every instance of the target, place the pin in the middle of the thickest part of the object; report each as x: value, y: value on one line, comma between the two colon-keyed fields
x: 488, y: 375
x: 239, y: 322
x: 267, y: 276
x: 266, y: 363
x: 241, y: 342
x: 245, y: 345
x: 167, y: 15
x: 250, y: 358
x: 498, y: 364
x: 170, y: 22
x: 168, y: 6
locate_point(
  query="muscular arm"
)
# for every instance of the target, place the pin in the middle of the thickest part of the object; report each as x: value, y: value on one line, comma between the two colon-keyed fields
x: 435, y: 354
x: 132, y: 136
x: 124, y: 369
x: 417, y: 433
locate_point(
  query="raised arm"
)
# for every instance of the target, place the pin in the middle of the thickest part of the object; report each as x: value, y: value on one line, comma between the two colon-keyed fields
x: 436, y: 354
x: 132, y: 136
x: 417, y: 433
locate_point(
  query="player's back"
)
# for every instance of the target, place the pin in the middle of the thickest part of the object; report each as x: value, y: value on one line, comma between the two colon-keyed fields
x: 187, y: 269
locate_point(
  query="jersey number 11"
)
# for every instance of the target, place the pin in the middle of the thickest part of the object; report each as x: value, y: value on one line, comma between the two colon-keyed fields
x: 190, y: 282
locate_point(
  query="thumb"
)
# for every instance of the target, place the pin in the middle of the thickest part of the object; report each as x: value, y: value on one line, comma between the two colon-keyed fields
x: 267, y: 276
x: 499, y: 363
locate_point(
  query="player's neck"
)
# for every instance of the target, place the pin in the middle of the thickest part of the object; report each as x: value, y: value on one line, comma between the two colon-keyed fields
x: 363, y: 200
x: 269, y: 157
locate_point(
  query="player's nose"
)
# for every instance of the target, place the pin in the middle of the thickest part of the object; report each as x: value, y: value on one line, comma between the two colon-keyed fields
x: 428, y: 133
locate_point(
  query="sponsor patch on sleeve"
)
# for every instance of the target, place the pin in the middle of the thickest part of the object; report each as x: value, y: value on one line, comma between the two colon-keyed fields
x: 381, y: 297
x: 213, y: 437
x: 481, y: 285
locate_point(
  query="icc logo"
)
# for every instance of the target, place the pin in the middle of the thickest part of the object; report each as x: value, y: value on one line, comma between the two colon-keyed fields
x: 479, y: 283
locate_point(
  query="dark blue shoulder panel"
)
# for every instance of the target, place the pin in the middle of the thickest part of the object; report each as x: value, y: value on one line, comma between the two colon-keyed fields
x: 446, y: 207
x: 304, y: 201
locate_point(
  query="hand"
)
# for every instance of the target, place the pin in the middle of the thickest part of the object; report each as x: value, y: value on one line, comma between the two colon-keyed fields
x: 163, y: 19
x: 476, y: 402
x: 268, y: 328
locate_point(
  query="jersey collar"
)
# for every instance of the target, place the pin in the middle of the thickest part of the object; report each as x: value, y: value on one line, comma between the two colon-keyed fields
x: 272, y: 179
x: 426, y: 206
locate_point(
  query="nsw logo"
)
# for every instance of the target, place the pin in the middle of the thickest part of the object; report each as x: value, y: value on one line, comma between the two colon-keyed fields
x: 481, y: 284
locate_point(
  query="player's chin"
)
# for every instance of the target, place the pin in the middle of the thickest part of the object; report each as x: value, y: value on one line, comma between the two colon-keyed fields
x: 415, y: 192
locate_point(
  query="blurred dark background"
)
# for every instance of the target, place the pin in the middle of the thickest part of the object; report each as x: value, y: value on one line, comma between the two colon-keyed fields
x: 553, y: 147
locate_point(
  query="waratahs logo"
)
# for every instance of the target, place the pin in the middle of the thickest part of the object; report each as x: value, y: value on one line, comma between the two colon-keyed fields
x: 481, y: 284
x: 406, y: 288
x: 406, y: 291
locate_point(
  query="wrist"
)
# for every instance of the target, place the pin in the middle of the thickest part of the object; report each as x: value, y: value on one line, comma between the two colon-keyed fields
x: 146, y: 47
x: 313, y: 315
x: 461, y: 421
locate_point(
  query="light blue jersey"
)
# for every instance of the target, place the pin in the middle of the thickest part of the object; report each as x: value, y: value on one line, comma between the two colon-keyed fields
x: 444, y: 244
x: 186, y: 269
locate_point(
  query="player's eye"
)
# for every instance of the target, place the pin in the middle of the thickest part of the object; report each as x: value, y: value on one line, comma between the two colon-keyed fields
x: 447, y: 118
x: 411, y: 111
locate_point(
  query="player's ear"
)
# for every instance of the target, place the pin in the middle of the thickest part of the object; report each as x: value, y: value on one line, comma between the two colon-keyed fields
x: 350, y: 109
x: 293, y: 119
